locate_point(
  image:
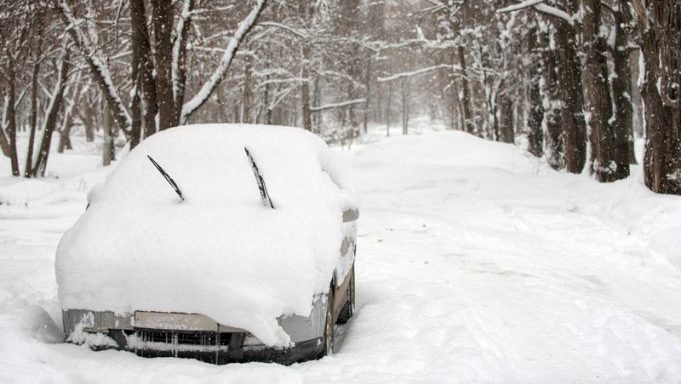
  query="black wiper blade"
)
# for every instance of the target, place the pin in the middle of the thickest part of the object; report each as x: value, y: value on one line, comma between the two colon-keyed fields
x: 167, y: 177
x: 261, y: 182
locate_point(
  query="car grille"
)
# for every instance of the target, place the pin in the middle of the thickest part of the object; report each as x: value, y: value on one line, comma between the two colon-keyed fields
x: 151, y: 338
x: 180, y: 337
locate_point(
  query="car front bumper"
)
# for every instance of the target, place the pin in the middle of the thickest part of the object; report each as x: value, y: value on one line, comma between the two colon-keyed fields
x: 165, y: 334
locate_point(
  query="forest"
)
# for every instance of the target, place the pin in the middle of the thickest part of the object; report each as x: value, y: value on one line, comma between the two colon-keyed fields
x: 574, y: 81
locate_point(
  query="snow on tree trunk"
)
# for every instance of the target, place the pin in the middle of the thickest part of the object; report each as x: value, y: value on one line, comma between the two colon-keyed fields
x: 179, y: 64
x: 602, y: 164
x: 660, y: 35
x: 554, y: 147
x: 621, y: 92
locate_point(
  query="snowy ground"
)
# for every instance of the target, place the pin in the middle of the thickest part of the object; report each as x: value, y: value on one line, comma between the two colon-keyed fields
x: 476, y: 264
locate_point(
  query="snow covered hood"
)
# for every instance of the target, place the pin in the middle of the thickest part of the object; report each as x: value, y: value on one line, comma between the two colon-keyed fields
x: 220, y: 252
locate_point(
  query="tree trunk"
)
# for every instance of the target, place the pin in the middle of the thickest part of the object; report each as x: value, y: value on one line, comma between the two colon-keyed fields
x: 573, y: 124
x: 659, y: 46
x: 405, y: 105
x: 367, y: 88
x: 506, y: 131
x: 466, y: 98
x: 623, y: 124
x: 247, y: 93
x: 554, y: 147
x: 4, y: 143
x: 305, y: 9
x: 51, y: 118
x: 11, y: 115
x: 268, y: 111
x: 143, y: 66
x: 86, y: 115
x: 162, y: 12
x: 388, y: 109
x: 603, y: 163
x: 535, y: 116
x: 65, y: 136
x: 180, y: 59
x: 305, y: 88
x: 107, y: 138
x: 67, y: 123
x: 33, y: 119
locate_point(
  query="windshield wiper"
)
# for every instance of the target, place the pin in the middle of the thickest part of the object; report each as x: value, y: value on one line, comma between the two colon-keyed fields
x: 261, y: 182
x: 167, y: 177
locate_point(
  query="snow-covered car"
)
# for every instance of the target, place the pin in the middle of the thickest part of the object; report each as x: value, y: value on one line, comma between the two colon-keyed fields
x: 219, y: 242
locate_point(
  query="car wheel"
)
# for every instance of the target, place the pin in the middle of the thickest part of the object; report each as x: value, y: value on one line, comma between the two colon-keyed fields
x: 348, y: 309
x: 328, y: 327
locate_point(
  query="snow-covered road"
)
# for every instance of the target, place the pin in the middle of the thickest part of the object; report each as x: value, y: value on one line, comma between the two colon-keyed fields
x: 475, y: 264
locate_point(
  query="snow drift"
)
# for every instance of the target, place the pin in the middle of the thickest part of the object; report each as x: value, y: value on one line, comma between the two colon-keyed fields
x: 220, y: 252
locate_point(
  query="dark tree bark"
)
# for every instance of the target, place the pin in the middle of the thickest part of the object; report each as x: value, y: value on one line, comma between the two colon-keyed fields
x: 162, y: 15
x: 33, y: 118
x: 108, y: 149
x: 87, y: 116
x: 11, y: 114
x: 572, y: 120
x: 555, y: 152
x: 367, y: 97
x: 535, y: 115
x: 660, y: 34
x: 305, y: 89
x: 4, y: 143
x: 506, y: 130
x: 305, y: 9
x: 51, y: 118
x: 466, y: 97
x: 623, y: 124
x: 65, y: 135
x: 143, y: 66
x: 247, y: 93
x: 349, y: 26
x: 603, y: 163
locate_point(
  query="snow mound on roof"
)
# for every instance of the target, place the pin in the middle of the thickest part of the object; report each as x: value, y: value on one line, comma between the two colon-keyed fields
x: 220, y: 252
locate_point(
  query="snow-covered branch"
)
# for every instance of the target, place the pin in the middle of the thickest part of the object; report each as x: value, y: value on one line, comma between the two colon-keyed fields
x: 179, y: 45
x: 539, y: 6
x: 398, y: 76
x: 520, y: 6
x: 553, y: 11
x: 282, y: 26
x: 99, y: 69
x: 219, y: 74
x: 337, y: 105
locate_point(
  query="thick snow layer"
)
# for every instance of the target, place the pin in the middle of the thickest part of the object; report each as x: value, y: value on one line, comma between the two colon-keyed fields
x: 220, y: 252
x: 476, y: 264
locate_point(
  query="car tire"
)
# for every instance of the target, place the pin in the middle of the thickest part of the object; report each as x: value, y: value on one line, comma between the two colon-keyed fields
x: 348, y: 309
x: 328, y: 325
